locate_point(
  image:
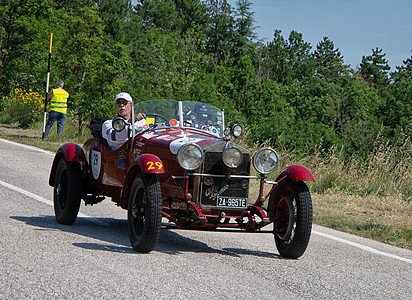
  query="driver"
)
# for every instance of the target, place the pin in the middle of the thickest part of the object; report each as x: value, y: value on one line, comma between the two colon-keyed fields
x: 123, y: 105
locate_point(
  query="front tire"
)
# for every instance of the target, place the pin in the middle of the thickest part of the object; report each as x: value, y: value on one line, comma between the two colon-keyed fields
x: 67, y: 192
x: 293, y: 219
x: 144, y: 214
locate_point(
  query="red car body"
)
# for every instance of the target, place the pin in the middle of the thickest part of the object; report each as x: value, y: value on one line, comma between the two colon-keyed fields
x: 147, y: 176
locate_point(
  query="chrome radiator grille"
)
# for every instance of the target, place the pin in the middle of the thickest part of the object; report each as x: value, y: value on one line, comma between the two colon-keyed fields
x: 211, y: 187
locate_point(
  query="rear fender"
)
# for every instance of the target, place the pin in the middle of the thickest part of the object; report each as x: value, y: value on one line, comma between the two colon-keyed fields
x: 70, y: 152
x: 150, y: 163
x: 296, y: 173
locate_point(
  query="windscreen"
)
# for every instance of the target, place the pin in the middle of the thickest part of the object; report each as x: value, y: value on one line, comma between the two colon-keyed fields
x: 195, y: 115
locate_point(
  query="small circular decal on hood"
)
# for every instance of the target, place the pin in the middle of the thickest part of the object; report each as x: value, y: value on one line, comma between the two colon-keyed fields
x: 208, y: 181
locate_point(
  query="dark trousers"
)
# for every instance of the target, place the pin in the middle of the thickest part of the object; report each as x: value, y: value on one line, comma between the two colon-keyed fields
x: 53, y: 116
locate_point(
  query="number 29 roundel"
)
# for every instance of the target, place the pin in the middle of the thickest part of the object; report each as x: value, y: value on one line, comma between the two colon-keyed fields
x: 95, y: 161
x: 151, y: 163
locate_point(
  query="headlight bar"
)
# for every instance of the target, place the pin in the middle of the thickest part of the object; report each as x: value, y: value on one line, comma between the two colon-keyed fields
x: 224, y: 176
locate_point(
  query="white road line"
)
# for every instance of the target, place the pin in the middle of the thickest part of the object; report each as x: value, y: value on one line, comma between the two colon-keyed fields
x: 100, y: 222
x: 365, y: 248
x: 48, y: 202
x: 27, y: 147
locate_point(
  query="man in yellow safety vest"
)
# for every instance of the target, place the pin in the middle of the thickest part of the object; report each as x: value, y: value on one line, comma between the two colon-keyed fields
x: 58, y: 108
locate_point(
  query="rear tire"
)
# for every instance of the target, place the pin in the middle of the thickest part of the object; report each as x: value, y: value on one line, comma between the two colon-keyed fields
x: 293, y: 219
x: 67, y: 192
x: 144, y: 214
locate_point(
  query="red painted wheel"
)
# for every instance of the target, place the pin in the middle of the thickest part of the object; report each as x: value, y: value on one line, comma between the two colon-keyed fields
x: 286, y: 218
x: 293, y: 219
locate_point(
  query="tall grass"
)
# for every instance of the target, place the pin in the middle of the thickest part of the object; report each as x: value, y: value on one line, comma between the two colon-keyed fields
x: 369, y: 197
x: 386, y: 172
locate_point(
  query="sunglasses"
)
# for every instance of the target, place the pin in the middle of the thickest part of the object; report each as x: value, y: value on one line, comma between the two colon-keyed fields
x: 120, y: 102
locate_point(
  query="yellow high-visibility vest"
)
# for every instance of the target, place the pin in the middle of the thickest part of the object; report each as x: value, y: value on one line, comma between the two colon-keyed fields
x: 59, y: 100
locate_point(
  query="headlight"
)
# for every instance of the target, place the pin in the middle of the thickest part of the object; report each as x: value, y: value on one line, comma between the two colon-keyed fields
x: 190, y: 156
x: 118, y: 124
x: 265, y: 160
x: 236, y: 130
x: 232, y: 157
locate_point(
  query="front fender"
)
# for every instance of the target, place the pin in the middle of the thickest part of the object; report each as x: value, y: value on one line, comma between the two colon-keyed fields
x: 150, y: 163
x: 296, y: 173
x: 70, y: 152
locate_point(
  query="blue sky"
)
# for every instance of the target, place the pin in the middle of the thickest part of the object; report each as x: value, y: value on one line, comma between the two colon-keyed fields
x: 354, y: 26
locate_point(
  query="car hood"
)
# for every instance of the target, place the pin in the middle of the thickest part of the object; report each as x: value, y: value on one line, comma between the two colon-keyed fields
x: 174, y: 139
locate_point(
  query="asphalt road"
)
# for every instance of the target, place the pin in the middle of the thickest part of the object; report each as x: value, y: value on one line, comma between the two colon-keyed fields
x: 41, y: 259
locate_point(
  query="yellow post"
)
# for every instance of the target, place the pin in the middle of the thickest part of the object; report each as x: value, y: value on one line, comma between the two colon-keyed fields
x: 47, y: 86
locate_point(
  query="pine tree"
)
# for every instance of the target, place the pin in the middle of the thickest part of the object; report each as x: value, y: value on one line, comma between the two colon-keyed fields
x: 375, y: 69
x: 329, y: 61
x: 219, y: 34
x: 403, y: 72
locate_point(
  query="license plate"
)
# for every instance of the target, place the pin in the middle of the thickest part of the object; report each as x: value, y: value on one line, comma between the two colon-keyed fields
x: 232, y: 202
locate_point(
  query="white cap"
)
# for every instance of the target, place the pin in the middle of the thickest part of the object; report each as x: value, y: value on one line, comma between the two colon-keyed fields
x: 125, y: 96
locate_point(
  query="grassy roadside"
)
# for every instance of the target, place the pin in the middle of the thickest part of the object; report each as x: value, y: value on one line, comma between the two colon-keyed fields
x: 375, y: 204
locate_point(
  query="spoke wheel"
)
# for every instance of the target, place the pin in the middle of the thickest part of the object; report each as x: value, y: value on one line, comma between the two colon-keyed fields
x: 144, y: 214
x: 67, y: 192
x: 293, y: 219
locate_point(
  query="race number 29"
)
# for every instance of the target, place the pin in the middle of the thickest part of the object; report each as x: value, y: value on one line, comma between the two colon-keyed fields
x: 95, y: 161
x: 154, y: 165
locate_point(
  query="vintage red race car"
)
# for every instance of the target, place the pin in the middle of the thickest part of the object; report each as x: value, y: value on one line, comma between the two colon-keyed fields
x: 183, y: 165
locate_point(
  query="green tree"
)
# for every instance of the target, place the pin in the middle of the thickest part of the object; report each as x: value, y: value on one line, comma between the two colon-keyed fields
x: 23, y: 56
x: 78, y: 55
x: 300, y: 59
x: 396, y: 113
x: 375, y: 69
x: 193, y: 13
x: 244, y: 73
x: 329, y: 61
x: 115, y: 15
x: 403, y: 72
x: 272, y: 116
x: 243, y: 27
x: 288, y: 60
x: 355, y: 115
x: 168, y: 53
x: 159, y: 14
x: 166, y: 65
x: 274, y: 59
x: 219, y: 34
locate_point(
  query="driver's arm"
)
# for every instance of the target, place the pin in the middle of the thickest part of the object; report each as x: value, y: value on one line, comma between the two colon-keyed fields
x: 140, y: 116
x: 140, y: 119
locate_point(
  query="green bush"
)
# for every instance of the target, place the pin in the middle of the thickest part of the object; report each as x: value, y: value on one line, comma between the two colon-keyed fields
x: 22, y: 107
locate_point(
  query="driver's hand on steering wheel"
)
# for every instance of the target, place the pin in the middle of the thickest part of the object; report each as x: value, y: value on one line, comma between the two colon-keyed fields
x: 140, y: 116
